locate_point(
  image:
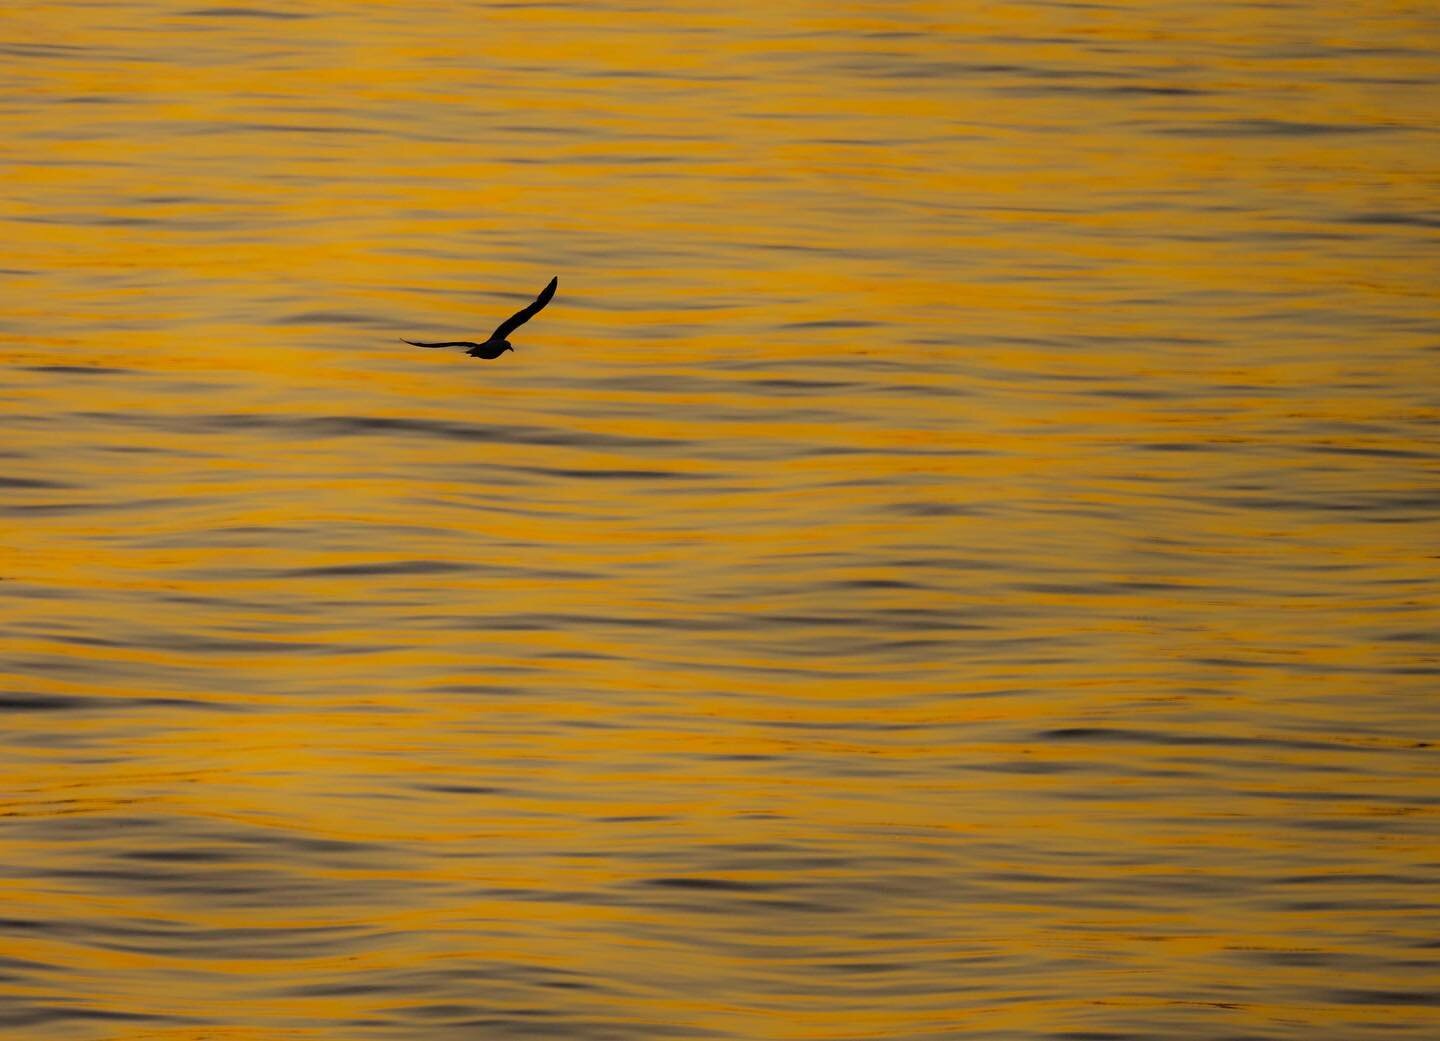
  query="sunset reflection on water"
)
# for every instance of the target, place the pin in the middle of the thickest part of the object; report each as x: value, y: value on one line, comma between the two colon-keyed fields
x: 953, y: 561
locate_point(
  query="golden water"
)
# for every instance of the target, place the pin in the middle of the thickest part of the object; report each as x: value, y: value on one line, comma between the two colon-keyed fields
x: 955, y: 560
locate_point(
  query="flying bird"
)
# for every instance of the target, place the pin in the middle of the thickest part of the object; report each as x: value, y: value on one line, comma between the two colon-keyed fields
x: 498, y: 344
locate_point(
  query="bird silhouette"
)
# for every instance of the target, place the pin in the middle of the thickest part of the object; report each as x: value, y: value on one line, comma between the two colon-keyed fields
x: 498, y: 344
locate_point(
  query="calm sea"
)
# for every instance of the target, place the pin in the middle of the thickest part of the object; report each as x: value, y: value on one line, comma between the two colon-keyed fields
x: 956, y: 560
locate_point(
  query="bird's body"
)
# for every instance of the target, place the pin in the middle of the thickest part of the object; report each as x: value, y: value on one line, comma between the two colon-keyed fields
x: 498, y: 344
x: 489, y: 350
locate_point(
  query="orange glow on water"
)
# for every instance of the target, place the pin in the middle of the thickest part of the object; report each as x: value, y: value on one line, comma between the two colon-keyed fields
x: 951, y: 561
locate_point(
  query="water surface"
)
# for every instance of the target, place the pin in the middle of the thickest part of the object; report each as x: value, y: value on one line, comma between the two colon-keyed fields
x: 955, y: 560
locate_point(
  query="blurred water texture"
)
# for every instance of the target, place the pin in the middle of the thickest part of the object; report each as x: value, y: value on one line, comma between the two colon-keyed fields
x: 956, y: 559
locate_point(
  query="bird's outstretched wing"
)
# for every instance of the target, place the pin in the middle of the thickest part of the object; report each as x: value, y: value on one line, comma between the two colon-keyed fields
x: 452, y: 343
x: 519, y: 318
